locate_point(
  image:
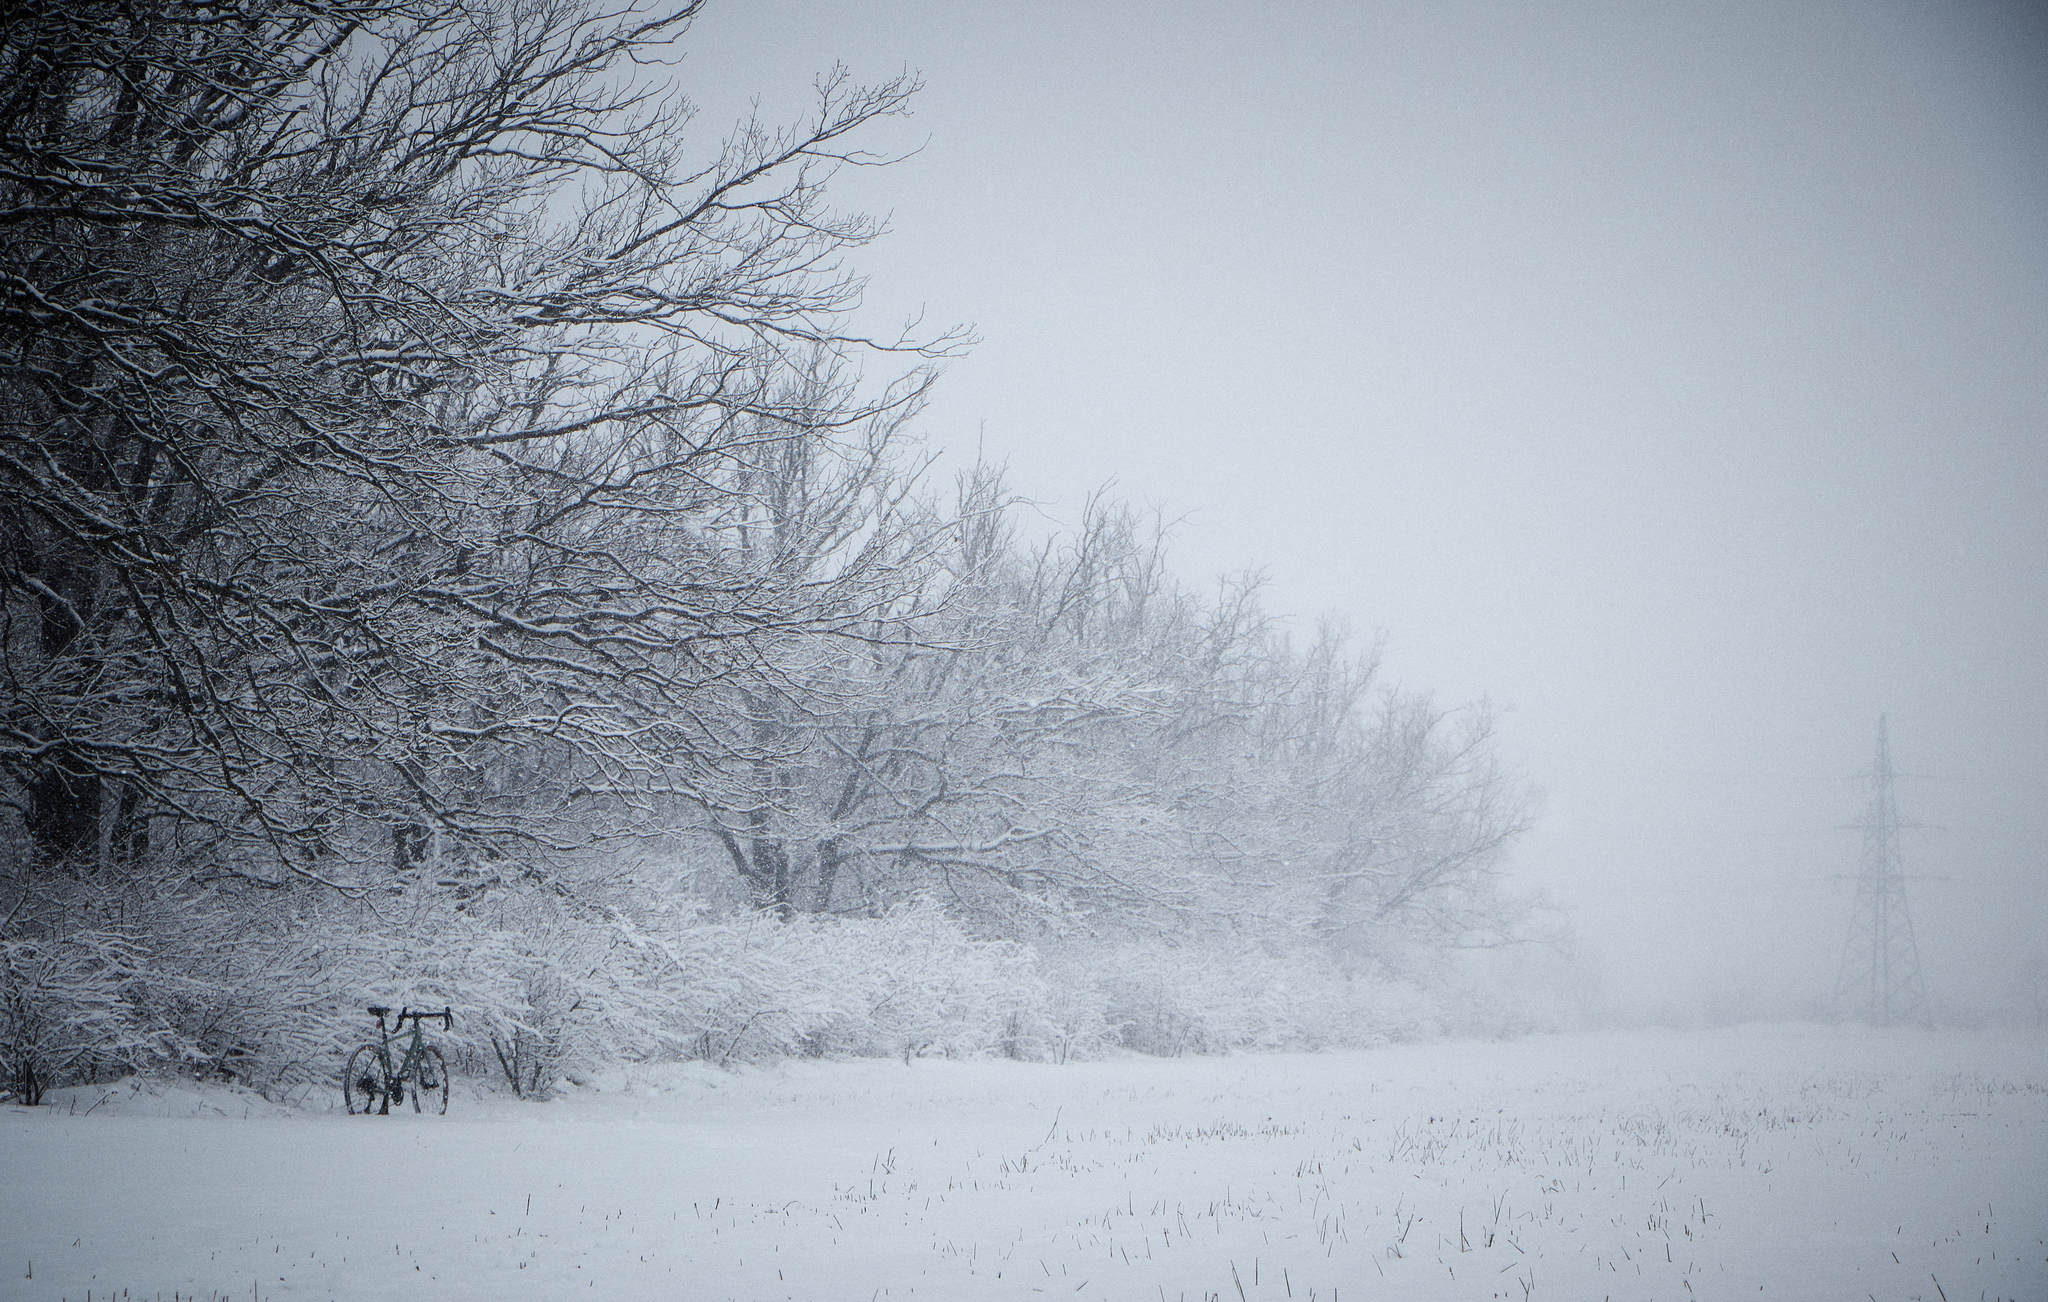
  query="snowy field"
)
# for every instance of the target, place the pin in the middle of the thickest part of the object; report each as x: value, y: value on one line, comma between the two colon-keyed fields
x: 1777, y: 1162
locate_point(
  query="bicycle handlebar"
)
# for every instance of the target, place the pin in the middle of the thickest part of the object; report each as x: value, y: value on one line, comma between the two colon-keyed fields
x: 446, y: 1016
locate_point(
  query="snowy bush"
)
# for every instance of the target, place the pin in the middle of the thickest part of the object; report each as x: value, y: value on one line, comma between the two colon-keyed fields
x: 63, y: 1012
x: 1171, y: 996
x: 270, y: 987
x: 929, y: 988
x: 907, y: 983
x: 544, y: 992
x: 1155, y: 1001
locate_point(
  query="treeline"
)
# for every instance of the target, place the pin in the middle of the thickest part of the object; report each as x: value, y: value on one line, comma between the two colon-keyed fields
x: 454, y: 546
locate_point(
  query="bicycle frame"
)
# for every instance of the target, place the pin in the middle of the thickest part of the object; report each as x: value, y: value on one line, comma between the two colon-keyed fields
x: 415, y: 1046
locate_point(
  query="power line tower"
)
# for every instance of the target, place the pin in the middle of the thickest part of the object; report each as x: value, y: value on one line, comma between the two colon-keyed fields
x: 1880, y: 979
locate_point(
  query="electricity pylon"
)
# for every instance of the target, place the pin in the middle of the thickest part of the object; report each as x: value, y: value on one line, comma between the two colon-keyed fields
x: 1880, y: 979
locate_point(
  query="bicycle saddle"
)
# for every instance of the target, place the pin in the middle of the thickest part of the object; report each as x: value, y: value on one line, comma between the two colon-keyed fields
x: 377, y: 1010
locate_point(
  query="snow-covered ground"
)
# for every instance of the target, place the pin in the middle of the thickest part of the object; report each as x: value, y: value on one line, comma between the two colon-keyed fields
x: 1788, y: 1162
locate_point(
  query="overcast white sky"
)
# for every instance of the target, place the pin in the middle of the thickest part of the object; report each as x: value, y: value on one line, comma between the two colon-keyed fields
x: 1675, y: 376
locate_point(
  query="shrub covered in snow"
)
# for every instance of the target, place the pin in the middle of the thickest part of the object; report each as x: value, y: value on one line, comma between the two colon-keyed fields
x: 63, y: 1011
x: 272, y: 991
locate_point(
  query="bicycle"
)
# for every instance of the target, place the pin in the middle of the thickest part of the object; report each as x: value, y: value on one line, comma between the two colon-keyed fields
x: 373, y: 1079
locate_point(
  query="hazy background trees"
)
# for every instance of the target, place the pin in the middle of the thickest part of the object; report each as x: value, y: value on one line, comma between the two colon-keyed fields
x: 457, y: 539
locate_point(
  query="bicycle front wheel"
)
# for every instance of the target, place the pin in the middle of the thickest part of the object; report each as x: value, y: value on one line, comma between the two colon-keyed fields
x: 362, y: 1085
x: 430, y: 1082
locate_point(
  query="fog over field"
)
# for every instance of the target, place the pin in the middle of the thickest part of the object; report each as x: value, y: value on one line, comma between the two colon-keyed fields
x: 1670, y: 376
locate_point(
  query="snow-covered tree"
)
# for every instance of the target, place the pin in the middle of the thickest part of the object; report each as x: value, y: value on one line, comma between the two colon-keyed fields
x: 371, y: 371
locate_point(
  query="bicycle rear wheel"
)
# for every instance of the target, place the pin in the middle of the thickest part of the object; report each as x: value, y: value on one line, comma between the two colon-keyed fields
x: 363, y: 1087
x: 430, y: 1082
